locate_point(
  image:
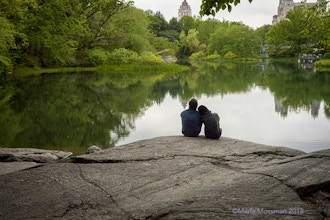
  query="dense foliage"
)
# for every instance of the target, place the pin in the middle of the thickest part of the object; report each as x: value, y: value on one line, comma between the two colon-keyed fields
x: 238, y: 39
x: 69, y: 33
x: 64, y: 33
x: 305, y: 30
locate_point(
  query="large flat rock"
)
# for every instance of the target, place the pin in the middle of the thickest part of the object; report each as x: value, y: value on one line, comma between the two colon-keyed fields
x: 172, y: 178
x: 9, y: 167
x: 226, y: 149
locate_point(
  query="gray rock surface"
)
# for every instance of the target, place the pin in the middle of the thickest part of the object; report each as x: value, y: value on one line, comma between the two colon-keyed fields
x: 93, y: 149
x: 32, y: 155
x: 174, y: 178
x: 9, y: 167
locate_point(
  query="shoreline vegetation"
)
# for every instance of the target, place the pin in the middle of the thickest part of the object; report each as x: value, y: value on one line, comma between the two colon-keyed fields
x: 127, y: 68
x: 58, y: 34
x: 322, y: 65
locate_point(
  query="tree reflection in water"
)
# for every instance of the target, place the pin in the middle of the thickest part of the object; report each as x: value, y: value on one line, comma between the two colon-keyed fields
x: 73, y: 111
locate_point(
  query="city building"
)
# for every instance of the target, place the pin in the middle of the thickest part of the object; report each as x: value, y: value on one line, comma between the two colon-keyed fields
x: 287, y: 5
x: 184, y: 10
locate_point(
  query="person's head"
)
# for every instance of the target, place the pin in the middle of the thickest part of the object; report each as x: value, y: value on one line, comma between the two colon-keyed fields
x: 202, y: 110
x: 193, y: 104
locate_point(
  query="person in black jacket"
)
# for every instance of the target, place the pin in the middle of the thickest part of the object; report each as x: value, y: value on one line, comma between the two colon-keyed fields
x: 211, y: 123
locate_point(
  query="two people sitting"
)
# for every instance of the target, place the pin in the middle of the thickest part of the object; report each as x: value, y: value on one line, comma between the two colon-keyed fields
x: 192, y: 121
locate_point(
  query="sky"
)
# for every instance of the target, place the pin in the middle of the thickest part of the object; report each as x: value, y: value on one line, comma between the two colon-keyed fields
x: 255, y: 14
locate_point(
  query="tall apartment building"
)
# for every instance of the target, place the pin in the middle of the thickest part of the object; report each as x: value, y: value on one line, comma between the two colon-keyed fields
x: 184, y: 10
x: 287, y: 5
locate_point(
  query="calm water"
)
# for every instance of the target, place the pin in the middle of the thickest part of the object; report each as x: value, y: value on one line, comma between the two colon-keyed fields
x: 274, y: 104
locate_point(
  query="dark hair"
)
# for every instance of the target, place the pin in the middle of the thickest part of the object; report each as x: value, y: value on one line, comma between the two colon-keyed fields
x: 202, y: 110
x: 193, y: 104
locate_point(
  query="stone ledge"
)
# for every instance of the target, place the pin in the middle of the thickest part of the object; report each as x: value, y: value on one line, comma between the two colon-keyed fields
x: 174, y: 178
x: 32, y: 155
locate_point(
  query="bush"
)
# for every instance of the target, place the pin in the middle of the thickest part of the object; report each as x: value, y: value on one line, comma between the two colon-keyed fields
x: 98, y: 56
x: 28, y: 60
x: 323, y: 63
x: 198, y: 55
x: 213, y: 57
x: 230, y: 55
x: 124, y: 56
x: 5, y: 64
x: 150, y: 58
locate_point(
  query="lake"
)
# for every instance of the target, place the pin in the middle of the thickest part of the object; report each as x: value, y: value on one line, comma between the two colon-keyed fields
x: 269, y: 103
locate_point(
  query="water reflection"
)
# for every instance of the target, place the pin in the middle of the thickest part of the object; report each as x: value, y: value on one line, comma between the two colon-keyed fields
x: 267, y: 103
x: 283, y: 110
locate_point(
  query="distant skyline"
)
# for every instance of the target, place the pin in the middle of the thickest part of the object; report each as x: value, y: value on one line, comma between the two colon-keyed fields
x: 254, y: 14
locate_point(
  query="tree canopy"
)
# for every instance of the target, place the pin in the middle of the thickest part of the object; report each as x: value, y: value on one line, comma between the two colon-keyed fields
x: 68, y: 33
x: 211, y: 7
x: 305, y: 30
x: 236, y: 39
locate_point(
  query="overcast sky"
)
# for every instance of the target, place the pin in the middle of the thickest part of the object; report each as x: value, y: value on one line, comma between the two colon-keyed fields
x: 254, y: 14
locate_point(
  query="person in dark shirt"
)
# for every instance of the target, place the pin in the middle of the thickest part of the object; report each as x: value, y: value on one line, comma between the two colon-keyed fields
x: 191, y: 120
x: 211, y: 123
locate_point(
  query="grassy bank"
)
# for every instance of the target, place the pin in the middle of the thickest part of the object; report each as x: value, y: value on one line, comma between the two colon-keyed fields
x: 37, y: 71
x: 127, y: 68
x: 131, y: 68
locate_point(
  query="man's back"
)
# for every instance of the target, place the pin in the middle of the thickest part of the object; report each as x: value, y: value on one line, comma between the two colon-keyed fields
x: 191, y: 123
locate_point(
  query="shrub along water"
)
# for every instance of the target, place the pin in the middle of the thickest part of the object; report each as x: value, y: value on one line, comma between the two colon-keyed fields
x: 322, y: 65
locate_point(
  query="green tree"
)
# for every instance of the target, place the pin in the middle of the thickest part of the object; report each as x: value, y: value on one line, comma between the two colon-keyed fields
x: 13, y: 16
x: 171, y: 35
x: 173, y: 24
x: 321, y: 32
x: 77, y: 32
x: 262, y: 31
x: 187, y: 23
x: 294, y: 35
x: 173, y: 30
x: 276, y: 38
x: 63, y: 32
x: 238, y: 39
x: 206, y: 29
x: 98, y: 15
x: 52, y: 30
x: 128, y: 29
x: 189, y: 43
x: 7, y: 42
x: 158, y: 23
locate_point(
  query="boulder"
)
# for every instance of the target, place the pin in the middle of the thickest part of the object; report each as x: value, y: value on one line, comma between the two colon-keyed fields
x: 93, y: 149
